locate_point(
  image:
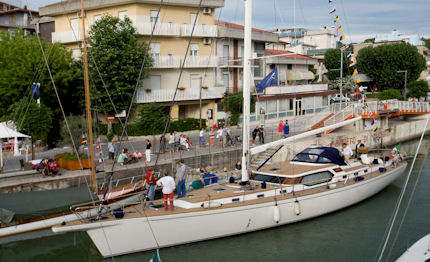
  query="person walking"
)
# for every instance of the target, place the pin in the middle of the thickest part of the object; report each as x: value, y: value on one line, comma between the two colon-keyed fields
x: 254, y: 134
x: 151, y: 183
x: 168, y: 184
x: 280, y: 128
x: 182, y: 177
x: 261, y: 134
x: 162, y: 143
x: 148, y: 150
x: 219, y: 135
x: 202, y: 140
x: 111, y: 149
x: 286, y: 129
x: 171, y: 142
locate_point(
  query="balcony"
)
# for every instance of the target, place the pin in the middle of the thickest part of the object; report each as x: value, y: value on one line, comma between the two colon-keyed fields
x: 67, y: 36
x: 200, y: 30
x: 161, y: 29
x: 228, y: 62
x: 292, y: 89
x: 166, y: 62
x: 201, y: 61
x: 166, y: 95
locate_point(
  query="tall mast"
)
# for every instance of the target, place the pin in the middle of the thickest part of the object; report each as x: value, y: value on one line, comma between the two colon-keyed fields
x: 246, y: 88
x: 87, y: 98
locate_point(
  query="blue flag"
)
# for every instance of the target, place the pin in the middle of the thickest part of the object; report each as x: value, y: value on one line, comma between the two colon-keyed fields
x: 36, y: 91
x: 270, y: 80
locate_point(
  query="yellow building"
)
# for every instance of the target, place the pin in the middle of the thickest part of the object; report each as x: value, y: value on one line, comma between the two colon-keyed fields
x: 168, y: 47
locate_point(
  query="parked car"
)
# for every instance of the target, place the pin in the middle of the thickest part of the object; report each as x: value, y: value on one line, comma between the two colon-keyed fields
x: 338, y: 97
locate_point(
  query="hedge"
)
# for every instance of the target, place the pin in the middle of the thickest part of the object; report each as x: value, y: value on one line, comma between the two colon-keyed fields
x: 186, y: 124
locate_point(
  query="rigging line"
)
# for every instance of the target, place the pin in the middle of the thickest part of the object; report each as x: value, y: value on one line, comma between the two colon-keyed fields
x: 57, y: 95
x: 137, y: 83
x: 303, y: 15
x: 346, y: 20
x: 407, y: 207
x: 396, y: 210
x: 180, y: 74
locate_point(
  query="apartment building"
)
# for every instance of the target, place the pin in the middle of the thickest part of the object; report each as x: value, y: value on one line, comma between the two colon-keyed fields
x: 13, y: 16
x: 168, y: 47
x: 230, y: 49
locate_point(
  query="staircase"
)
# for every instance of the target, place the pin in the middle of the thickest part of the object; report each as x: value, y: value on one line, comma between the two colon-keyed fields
x: 260, y: 158
x: 320, y: 123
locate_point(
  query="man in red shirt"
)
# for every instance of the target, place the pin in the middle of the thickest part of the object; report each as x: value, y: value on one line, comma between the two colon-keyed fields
x: 151, y: 183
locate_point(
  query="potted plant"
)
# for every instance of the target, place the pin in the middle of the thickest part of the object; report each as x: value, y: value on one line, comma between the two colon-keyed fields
x: 204, y: 87
x: 148, y: 90
x: 69, y: 161
x: 181, y: 88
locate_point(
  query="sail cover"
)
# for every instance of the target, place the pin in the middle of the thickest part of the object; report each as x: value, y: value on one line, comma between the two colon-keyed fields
x: 322, y: 155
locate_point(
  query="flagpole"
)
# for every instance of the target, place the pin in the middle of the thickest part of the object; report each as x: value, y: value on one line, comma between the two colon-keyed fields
x: 341, y: 76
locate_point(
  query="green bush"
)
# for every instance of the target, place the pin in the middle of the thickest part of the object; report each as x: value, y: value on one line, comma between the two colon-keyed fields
x: 70, y: 156
x: 418, y: 88
x: 152, y: 119
x: 390, y: 94
x: 186, y: 124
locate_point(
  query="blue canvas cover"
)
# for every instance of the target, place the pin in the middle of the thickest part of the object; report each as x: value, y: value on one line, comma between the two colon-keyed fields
x: 321, y: 155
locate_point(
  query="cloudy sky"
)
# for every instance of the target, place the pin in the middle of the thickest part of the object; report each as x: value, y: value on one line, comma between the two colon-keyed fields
x: 360, y: 19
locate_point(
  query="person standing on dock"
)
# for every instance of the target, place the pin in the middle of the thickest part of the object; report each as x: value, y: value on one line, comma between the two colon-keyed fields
x: 280, y: 128
x: 359, y: 144
x: 347, y: 151
x: 286, y: 129
x: 168, y: 184
x: 254, y: 134
x: 261, y: 134
x: 111, y: 149
x: 182, y: 177
x: 148, y: 150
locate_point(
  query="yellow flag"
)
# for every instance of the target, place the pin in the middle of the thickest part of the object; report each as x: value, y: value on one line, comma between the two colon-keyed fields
x: 357, y: 81
x: 355, y: 72
x: 336, y: 19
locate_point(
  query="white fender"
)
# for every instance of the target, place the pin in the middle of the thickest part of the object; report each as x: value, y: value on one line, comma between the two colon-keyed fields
x: 297, y: 207
x: 211, y: 204
x: 276, y: 214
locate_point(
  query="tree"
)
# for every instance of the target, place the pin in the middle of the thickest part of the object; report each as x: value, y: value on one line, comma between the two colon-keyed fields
x: 418, y: 88
x: 426, y: 42
x: 233, y: 103
x: 332, y: 63
x: 369, y: 40
x: 115, y: 47
x: 78, y: 126
x: 21, y: 64
x: 390, y: 94
x: 37, y: 121
x: 381, y: 63
x: 152, y: 118
x: 347, y: 84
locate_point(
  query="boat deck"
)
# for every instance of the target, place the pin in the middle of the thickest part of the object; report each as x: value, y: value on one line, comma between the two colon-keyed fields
x: 230, y: 190
x: 290, y: 169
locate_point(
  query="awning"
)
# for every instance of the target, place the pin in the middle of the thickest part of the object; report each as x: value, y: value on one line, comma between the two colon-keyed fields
x: 300, y: 75
x: 362, y: 77
x: 6, y: 132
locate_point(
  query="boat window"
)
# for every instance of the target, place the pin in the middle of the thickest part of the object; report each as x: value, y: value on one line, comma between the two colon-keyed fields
x: 317, y: 178
x: 270, y: 179
x: 311, y: 158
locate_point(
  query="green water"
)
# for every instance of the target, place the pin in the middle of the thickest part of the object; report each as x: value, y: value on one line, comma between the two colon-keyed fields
x: 352, y: 234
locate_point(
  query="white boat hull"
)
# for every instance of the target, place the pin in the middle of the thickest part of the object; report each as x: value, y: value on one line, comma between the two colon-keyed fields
x: 124, y: 235
x: 419, y: 251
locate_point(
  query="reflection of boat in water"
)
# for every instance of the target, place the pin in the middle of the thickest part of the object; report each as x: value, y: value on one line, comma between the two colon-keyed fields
x: 316, y: 182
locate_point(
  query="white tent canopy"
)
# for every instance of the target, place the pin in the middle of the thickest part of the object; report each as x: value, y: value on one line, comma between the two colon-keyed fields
x: 6, y: 132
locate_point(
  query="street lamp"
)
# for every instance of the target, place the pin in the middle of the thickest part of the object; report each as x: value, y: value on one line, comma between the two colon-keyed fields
x: 406, y: 77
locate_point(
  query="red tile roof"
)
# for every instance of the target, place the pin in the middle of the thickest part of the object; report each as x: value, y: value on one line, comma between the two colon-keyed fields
x: 231, y: 25
x: 280, y: 52
x: 18, y: 10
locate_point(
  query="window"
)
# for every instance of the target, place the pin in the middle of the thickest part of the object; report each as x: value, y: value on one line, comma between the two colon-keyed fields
x: 193, y: 17
x: 75, y: 26
x: 153, y: 82
x: 325, y: 100
x: 76, y: 53
x: 225, y: 54
x: 269, y: 179
x: 290, y: 67
x: 271, y: 106
x: 195, y: 82
x: 155, y: 49
x: 97, y: 17
x: 317, y: 178
x: 194, y: 49
x: 154, y: 16
x: 122, y: 15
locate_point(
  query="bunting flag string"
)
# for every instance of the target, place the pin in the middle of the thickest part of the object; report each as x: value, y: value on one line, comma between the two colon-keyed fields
x: 336, y: 19
x: 349, y: 54
x: 355, y: 72
x: 339, y: 28
x: 332, y: 10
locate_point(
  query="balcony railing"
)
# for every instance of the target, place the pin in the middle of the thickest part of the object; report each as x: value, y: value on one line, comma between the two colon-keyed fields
x: 230, y: 62
x: 166, y: 61
x: 164, y: 29
x: 287, y: 89
x: 201, y: 61
x: 166, y: 95
x: 67, y: 36
x: 200, y: 30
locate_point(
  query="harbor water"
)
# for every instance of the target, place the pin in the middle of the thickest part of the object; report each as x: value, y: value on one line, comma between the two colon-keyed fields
x: 352, y: 234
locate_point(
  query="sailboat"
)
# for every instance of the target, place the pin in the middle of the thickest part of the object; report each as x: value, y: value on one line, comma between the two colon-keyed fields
x: 316, y: 182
